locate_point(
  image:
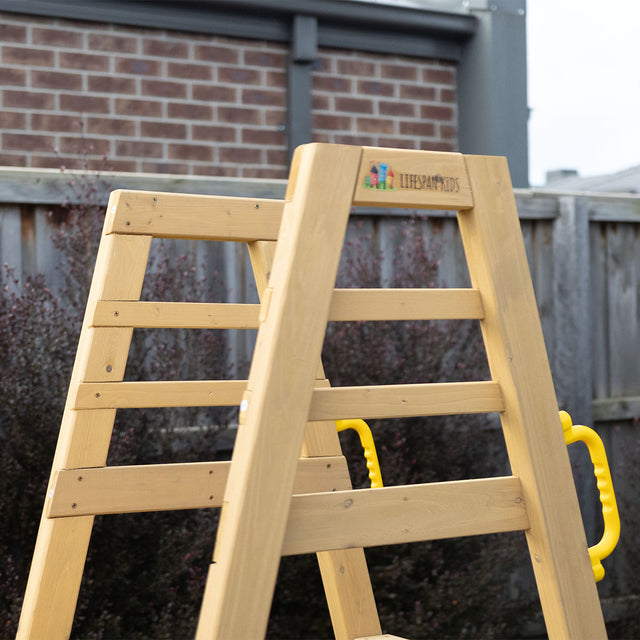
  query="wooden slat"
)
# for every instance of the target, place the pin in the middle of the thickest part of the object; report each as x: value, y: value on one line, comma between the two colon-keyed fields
x: 395, y: 401
x: 144, y: 395
x: 176, y: 315
x: 163, y: 487
x: 346, y: 305
x: 390, y: 401
x: 394, y: 515
x: 173, y: 215
x: 405, y: 304
x: 421, y: 179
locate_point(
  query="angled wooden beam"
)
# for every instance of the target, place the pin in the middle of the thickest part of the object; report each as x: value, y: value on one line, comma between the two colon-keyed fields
x: 274, y: 411
x: 61, y: 545
x: 518, y: 359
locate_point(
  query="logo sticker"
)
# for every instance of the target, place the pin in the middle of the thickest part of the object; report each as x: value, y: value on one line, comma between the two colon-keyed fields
x: 381, y: 177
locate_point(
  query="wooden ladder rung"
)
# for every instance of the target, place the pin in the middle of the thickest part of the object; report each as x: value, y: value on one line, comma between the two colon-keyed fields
x: 405, y: 400
x: 336, y: 403
x: 175, y: 315
x: 406, y: 304
x: 145, y: 395
x: 164, y: 487
x: 412, y: 513
x: 346, y: 305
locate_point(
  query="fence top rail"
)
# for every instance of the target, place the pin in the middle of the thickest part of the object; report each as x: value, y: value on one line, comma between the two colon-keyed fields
x: 52, y: 186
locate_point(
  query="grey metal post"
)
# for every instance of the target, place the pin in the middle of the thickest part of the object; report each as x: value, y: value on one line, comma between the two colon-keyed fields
x: 492, y: 86
x: 304, y: 52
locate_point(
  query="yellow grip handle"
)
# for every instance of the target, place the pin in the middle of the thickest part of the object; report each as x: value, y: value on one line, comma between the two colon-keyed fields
x: 573, y: 433
x: 366, y: 440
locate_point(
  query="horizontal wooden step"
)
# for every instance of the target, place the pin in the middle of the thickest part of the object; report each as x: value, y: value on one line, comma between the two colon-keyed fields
x: 177, y: 215
x: 165, y: 487
x: 318, y: 521
x: 405, y: 304
x: 405, y: 400
x: 144, y: 395
x: 175, y: 315
x: 346, y: 305
x: 335, y: 403
x: 395, y: 515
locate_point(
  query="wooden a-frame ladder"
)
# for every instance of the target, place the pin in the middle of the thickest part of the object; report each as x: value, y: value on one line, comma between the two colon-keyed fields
x: 277, y: 500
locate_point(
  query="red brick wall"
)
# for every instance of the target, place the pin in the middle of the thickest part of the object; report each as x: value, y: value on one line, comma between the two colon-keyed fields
x: 387, y: 101
x: 162, y: 101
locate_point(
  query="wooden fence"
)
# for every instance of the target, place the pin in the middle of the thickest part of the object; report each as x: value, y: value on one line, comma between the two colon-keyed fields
x: 584, y: 260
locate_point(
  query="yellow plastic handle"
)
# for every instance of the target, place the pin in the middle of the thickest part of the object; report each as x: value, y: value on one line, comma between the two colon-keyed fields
x: 366, y: 440
x: 610, y: 515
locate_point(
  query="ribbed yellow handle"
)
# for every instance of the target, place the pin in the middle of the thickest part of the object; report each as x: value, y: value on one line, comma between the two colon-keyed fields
x: 573, y: 433
x: 366, y: 440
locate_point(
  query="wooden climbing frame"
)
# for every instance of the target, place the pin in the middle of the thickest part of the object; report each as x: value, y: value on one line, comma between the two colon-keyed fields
x: 286, y: 490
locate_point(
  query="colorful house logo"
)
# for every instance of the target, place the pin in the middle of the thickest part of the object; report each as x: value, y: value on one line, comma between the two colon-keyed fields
x: 380, y: 177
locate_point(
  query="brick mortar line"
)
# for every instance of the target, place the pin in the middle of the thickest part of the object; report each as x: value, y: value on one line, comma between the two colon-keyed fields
x: 384, y: 80
x: 386, y: 99
x: 86, y: 50
x: 135, y: 96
